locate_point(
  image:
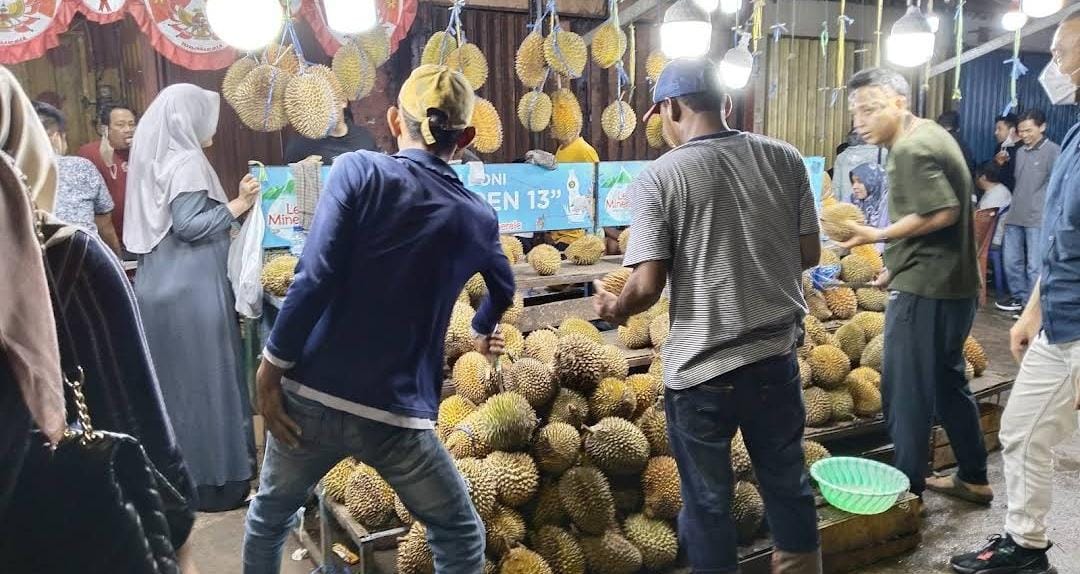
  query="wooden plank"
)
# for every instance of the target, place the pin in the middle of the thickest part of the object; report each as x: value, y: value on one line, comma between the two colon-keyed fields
x: 635, y: 357
x: 569, y: 274
x: 553, y: 314
x: 588, y: 8
x: 629, y: 14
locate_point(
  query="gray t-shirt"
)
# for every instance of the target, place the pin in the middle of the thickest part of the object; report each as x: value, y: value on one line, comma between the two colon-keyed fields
x: 997, y: 197
x: 726, y: 212
x: 81, y: 193
x: 1033, y: 168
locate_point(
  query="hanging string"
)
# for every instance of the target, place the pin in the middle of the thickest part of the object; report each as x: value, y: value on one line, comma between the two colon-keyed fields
x: 1018, y: 69
x: 758, y: 19
x: 621, y: 81
x: 778, y: 28
x: 959, y: 18
x: 453, y: 30
x: 841, y: 48
x: 824, y: 38
x: 877, y: 33
x: 556, y: 27
x: 632, y: 47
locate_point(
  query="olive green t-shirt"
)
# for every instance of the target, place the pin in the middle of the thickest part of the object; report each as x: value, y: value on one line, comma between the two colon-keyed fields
x: 927, y: 172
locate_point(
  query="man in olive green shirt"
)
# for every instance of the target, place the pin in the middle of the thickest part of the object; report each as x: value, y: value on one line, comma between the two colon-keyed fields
x: 933, y: 279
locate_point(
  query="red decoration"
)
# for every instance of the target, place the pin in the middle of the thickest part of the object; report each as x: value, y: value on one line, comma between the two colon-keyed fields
x: 178, y: 30
x: 397, y: 16
x: 29, y: 28
x: 104, y: 11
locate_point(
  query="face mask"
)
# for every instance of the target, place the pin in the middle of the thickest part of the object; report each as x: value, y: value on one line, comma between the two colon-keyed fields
x: 1058, y: 85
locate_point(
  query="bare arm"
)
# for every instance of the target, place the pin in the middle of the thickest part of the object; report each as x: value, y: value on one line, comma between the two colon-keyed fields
x: 107, y: 232
x: 810, y: 250
x: 912, y: 225
x: 641, y: 292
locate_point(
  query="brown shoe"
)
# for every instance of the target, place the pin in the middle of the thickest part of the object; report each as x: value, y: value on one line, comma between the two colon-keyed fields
x: 792, y: 563
x: 953, y: 487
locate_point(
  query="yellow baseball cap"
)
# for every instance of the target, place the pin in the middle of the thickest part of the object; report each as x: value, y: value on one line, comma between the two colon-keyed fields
x: 432, y: 87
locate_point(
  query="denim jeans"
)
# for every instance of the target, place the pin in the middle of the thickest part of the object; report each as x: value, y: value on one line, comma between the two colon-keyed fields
x: 1021, y: 253
x: 922, y: 377
x: 764, y: 400
x: 414, y: 462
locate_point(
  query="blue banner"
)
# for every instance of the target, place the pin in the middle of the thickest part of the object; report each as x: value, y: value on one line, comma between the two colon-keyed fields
x: 530, y: 198
x: 815, y: 169
x: 612, y: 191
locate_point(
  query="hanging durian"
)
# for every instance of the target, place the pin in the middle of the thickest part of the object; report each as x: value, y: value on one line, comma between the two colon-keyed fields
x: 438, y: 47
x: 234, y: 77
x: 654, y: 65
x: 282, y: 57
x: 312, y: 105
x: 260, y: 98
x: 566, y: 116
x: 529, y: 62
x: 489, y: 130
x: 376, y: 44
x: 471, y: 62
x: 354, y: 70
x: 534, y: 111
x: 654, y: 132
x: 565, y: 53
x: 619, y: 121
x: 608, y: 44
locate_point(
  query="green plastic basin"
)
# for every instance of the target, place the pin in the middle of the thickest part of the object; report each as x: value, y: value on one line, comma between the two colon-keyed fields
x: 859, y: 485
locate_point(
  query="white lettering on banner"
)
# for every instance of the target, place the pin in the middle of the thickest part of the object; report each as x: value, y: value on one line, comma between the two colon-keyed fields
x: 511, y: 226
x: 541, y: 198
x: 494, y: 179
x: 504, y: 201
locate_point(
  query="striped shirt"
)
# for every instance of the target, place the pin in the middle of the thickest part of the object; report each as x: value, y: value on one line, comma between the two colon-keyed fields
x: 726, y: 211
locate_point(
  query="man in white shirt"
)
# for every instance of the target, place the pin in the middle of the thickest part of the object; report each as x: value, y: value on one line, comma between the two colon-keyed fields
x: 994, y: 194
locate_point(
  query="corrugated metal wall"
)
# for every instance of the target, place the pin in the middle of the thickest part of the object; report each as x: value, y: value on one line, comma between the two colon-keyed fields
x: 985, y: 86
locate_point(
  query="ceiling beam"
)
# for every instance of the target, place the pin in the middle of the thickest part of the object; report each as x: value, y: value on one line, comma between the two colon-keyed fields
x: 631, y: 13
x: 1004, y: 40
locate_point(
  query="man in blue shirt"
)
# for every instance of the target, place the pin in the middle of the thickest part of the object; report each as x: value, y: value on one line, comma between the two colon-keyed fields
x: 354, y: 365
x: 1042, y: 409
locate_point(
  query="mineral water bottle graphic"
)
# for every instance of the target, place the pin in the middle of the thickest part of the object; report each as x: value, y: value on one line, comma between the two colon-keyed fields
x: 578, y: 210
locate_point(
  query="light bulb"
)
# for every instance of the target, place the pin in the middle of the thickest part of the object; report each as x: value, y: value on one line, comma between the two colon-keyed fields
x: 707, y: 5
x: 1013, y: 20
x: 935, y: 22
x: 245, y: 24
x: 730, y: 6
x: 686, y: 31
x: 911, y: 42
x: 1041, y: 8
x: 350, y: 16
x: 737, y: 65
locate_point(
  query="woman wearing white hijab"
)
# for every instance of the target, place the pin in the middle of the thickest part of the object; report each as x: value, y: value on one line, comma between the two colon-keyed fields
x: 178, y: 220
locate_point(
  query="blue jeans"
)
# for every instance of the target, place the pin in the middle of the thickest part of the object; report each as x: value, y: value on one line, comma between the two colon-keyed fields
x: 765, y: 400
x: 1021, y: 253
x: 414, y: 462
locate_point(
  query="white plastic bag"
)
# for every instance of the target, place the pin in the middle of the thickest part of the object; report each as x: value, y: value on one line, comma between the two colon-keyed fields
x: 245, y: 263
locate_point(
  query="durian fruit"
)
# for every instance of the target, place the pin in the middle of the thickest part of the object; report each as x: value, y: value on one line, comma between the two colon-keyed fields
x: 818, y: 306
x: 369, y: 498
x: 260, y: 98
x: 624, y: 239
x: 646, y: 389
x: 505, y: 528
x: 616, y: 446
x: 529, y: 62
x: 579, y: 363
x: 855, y: 269
x: 635, y: 333
x: 473, y: 377
x: 438, y: 48
x: 615, y: 281
x: 843, y: 405
x: 864, y: 374
x: 376, y: 45
x: 459, y: 338
x: 656, y: 540
x: 662, y: 305
x: 545, y: 259
x: 566, y: 115
x: 585, y: 251
x: 974, y: 354
x: 282, y: 57
x: 828, y: 258
x: 541, y: 345
x: 402, y: 512
x: 513, y: 315
x: 830, y: 366
x: 852, y: 339
x: 871, y: 322
x: 546, y: 509
x: 969, y: 370
x: 471, y: 62
x: 627, y: 494
x: 747, y: 511
x: 815, y: 331
x: 818, y: 407
x: 277, y: 274
x: 515, y: 341
x: 655, y: 64
x: 335, y: 85
x: 534, y: 111
x: 869, y: 253
x: 354, y: 71
x: 608, y: 45
x: 480, y: 479
x: 615, y: 364
x: 533, y: 380
x: 611, y: 553
x: 813, y: 452
x: 566, y: 53
x: 234, y: 76
x: 612, y: 398
x: 659, y: 329
x: 618, y: 120
x: 336, y: 481
x: 490, y: 567
x: 505, y: 422
x: 512, y: 248
x: 555, y: 447
x: 842, y: 302
x: 586, y: 498
x: 312, y: 105
x: 569, y: 407
x: 560, y: 549
x: 656, y: 369
x: 516, y: 478
x: 574, y: 325
x: 740, y: 456
x: 521, y: 560
x: 835, y: 219
x: 489, y: 130
x: 873, y: 353
x: 653, y: 424
x: 872, y: 298
x: 452, y: 411
x: 867, y: 398
x: 660, y: 484
x: 476, y: 287
x: 413, y: 553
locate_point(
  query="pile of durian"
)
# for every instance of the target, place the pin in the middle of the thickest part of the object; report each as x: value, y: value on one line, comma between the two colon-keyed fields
x: 546, y: 260
x: 841, y: 370
x: 277, y: 274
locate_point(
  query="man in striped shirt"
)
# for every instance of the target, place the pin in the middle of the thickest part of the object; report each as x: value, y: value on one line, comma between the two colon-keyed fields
x: 730, y: 219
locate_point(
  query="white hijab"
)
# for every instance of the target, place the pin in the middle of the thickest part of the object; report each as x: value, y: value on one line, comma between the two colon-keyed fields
x: 166, y: 160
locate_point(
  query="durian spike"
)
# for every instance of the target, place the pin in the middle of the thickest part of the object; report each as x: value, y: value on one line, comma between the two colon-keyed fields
x: 576, y: 420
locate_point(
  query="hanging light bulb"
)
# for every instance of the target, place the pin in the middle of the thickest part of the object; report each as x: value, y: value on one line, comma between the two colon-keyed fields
x: 737, y: 65
x: 935, y: 22
x: 350, y: 16
x: 1014, y: 19
x: 911, y: 42
x: 686, y: 31
x: 708, y: 6
x: 245, y: 24
x: 1041, y: 8
x: 730, y: 6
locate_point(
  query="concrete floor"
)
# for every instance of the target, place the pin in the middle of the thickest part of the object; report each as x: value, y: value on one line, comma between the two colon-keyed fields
x: 950, y: 527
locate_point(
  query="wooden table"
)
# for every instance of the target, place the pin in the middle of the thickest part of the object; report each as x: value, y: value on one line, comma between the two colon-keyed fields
x: 336, y: 525
x: 569, y: 274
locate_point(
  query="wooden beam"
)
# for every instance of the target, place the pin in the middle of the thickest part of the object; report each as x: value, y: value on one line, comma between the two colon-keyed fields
x: 585, y: 8
x: 632, y: 13
x: 1004, y: 40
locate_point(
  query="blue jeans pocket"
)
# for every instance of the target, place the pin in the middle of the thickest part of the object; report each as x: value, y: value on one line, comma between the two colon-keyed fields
x: 306, y: 413
x: 706, y: 412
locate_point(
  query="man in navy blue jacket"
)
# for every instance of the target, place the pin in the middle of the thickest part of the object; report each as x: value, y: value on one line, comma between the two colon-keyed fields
x: 354, y: 365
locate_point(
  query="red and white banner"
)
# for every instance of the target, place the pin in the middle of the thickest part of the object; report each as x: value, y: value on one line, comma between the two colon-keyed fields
x: 104, y: 11
x: 179, y: 30
x: 29, y: 28
x: 397, y: 16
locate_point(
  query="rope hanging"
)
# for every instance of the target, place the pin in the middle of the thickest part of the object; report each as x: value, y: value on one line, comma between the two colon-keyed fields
x: 956, y: 94
x: 758, y: 19
x: 841, y: 48
x: 877, y: 33
x: 1018, y: 69
x: 632, y: 47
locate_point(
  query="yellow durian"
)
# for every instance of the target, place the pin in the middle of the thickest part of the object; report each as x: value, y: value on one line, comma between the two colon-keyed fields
x: 312, y: 105
x: 438, y: 47
x: 471, y: 62
x: 655, y: 64
x: 234, y: 76
x: 534, y: 111
x: 565, y: 53
x: 354, y: 71
x: 260, y: 98
x: 608, y: 45
x: 566, y: 116
x: 529, y: 63
x: 619, y: 121
x: 489, y: 130
x: 282, y: 57
x: 376, y: 44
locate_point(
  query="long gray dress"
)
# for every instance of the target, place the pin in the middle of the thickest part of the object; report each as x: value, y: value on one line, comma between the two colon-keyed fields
x: 186, y: 302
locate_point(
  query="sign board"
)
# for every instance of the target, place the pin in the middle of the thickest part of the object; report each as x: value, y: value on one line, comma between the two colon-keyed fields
x: 530, y: 198
x: 612, y: 191
x: 815, y: 169
x: 279, y: 204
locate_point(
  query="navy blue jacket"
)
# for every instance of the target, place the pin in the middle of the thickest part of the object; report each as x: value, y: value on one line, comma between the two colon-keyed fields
x: 393, y: 242
x: 1059, y: 289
